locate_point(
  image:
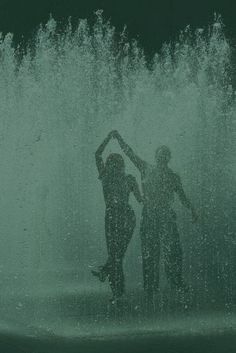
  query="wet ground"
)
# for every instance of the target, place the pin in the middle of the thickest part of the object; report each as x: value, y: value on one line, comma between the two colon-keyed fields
x: 223, y: 342
x: 60, y: 318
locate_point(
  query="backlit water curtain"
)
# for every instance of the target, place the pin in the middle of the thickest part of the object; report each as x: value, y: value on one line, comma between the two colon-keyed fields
x: 59, y: 100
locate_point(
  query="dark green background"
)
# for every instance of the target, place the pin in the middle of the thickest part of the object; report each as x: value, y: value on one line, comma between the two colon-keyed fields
x: 152, y: 21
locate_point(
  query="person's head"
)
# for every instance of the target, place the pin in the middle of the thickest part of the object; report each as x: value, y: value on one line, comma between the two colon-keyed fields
x: 115, y: 165
x: 162, y: 155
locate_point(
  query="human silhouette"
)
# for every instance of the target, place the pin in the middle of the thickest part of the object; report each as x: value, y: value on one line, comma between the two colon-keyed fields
x: 158, y: 222
x: 120, y: 219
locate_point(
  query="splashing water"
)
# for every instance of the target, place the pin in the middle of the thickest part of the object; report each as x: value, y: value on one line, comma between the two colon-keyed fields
x: 59, y: 101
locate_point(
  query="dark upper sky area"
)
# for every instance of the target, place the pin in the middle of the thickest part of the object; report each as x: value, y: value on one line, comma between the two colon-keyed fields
x: 152, y: 21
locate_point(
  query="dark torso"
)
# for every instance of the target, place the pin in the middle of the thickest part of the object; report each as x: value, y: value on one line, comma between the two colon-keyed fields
x: 159, y: 186
x: 116, y: 191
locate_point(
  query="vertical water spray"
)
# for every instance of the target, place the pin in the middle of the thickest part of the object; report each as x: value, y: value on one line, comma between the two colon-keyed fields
x: 57, y: 103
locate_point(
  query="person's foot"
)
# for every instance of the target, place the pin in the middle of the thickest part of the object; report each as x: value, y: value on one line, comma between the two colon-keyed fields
x: 101, y: 275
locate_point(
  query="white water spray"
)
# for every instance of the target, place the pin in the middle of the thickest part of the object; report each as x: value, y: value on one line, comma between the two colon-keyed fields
x: 60, y: 100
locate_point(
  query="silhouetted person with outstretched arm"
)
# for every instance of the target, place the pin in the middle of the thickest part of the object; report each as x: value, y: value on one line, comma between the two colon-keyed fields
x: 119, y: 217
x: 158, y: 222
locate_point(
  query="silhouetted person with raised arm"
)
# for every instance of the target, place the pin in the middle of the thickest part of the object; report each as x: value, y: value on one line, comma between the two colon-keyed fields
x: 158, y: 222
x: 119, y: 216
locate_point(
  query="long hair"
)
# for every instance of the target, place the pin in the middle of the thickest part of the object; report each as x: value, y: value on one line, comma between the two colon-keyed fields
x: 114, y: 166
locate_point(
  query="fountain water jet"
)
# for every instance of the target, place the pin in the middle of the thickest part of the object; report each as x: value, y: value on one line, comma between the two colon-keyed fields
x: 57, y: 103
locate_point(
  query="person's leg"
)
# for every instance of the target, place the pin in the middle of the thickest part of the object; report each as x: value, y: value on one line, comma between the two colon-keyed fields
x: 173, y: 256
x: 116, y: 278
x: 110, y: 218
x: 111, y: 267
x: 103, y: 271
x: 150, y: 253
x: 125, y: 229
x: 146, y: 253
x: 156, y: 260
x: 108, y: 269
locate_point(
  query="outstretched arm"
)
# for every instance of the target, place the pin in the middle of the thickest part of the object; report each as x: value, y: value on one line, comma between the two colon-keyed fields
x: 184, y: 199
x: 137, y: 161
x: 98, y: 155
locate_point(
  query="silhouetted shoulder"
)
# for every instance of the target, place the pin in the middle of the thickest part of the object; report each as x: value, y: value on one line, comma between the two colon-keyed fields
x: 176, y: 180
x: 148, y: 170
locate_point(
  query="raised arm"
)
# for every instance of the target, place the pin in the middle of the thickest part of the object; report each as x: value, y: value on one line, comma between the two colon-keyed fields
x: 99, y: 152
x: 137, y: 161
x: 184, y: 199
